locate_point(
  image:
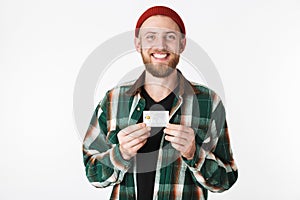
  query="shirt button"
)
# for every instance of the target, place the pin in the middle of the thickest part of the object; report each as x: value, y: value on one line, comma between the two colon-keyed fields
x: 138, y: 109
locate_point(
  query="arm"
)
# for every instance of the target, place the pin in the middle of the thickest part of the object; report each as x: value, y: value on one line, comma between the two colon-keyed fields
x: 103, y: 161
x: 107, y: 160
x: 213, y: 165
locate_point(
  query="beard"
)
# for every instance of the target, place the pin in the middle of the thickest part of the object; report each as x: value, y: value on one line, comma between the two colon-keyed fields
x: 160, y: 70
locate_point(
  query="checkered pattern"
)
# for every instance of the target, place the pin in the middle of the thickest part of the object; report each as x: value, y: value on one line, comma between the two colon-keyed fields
x: 212, y: 167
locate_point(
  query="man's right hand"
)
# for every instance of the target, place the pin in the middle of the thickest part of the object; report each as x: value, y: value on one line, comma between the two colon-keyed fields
x: 132, y: 138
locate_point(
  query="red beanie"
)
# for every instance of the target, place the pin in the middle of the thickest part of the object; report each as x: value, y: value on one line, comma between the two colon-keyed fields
x: 159, y: 10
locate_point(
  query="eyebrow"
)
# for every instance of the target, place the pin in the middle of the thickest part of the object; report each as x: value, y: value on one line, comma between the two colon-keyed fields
x: 153, y: 32
x: 171, y: 32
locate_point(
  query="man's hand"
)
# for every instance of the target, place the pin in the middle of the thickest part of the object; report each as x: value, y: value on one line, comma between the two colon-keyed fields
x: 132, y: 138
x: 182, y: 138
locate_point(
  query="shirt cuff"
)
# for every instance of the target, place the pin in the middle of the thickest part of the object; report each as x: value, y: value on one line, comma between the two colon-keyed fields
x: 117, y: 160
x: 195, y: 158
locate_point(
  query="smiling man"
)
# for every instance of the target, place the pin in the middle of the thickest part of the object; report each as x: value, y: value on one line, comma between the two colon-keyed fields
x: 160, y: 137
x: 160, y: 43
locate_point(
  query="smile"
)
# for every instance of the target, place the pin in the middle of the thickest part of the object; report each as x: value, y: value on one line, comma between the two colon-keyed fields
x: 160, y: 55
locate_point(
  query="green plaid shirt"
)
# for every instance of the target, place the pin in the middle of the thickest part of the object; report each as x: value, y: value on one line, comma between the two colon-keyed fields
x: 212, y: 167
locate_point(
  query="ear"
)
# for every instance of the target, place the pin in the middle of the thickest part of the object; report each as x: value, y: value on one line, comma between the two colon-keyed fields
x: 182, y: 44
x: 137, y: 44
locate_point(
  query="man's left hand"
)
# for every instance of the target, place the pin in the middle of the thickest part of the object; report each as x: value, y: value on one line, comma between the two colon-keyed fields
x: 182, y: 138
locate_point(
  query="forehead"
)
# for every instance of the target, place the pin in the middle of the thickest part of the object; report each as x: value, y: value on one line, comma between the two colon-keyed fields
x: 160, y: 22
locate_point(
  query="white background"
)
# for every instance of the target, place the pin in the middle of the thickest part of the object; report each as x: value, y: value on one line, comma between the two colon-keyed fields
x: 255, y: 46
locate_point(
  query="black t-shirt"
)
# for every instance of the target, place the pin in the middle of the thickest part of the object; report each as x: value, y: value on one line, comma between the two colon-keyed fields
x: 147, y: 155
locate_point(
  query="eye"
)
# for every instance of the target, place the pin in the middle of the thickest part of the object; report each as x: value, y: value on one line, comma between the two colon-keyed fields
x: 150, y: 37
x: 171, y: 36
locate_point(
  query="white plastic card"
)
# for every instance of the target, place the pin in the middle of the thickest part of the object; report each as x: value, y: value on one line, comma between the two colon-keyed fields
x: 156, y: 118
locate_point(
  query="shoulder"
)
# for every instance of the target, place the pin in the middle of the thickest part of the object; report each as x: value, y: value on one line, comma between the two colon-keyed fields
x: 206, y: 93
x: 121, y: 88
x: 203, y: 90
x: 119, y: 91
x: 208, y: 99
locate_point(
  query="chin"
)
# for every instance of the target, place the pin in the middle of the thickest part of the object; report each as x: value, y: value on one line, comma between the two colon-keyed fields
x: 159, y: 71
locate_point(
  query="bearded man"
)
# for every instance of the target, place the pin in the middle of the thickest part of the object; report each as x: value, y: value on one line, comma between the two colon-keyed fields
x: 160, y: 137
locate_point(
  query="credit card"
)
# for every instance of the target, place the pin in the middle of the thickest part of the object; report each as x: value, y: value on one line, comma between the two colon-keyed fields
x: 156, y: 118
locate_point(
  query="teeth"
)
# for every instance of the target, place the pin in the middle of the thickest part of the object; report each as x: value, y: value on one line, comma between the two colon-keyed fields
x: 160, y: 55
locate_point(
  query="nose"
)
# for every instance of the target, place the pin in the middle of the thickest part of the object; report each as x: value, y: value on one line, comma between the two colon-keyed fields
x: 160, y: 43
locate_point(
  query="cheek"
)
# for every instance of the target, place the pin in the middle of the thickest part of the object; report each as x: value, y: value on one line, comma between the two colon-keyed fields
x: 174, y: 48
x: 145, y: 45
x: 144, y: 48
x: 145, y: 52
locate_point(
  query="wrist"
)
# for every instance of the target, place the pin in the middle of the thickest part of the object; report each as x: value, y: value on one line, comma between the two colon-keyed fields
x: 117, y: 160
x: 124, y: 155
x: 189, y: 155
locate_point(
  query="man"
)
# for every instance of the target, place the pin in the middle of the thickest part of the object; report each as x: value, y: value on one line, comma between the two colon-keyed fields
x: 183, y: 159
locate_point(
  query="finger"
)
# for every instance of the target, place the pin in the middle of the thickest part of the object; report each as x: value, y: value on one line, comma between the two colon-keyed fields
x: 135, y: 142
x: 176, y: 140
x: 132, y: 128
x: 140, y: 132
x: 177, y: 134
x: 178, y: 147
x: 130, y: 152
x: 179, y: 127
x: 138, y: 146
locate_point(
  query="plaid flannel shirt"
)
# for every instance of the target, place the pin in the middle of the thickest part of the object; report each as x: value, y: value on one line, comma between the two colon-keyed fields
x: 212, y: 167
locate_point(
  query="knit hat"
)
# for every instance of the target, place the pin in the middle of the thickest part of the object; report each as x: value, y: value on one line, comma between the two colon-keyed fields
x: 159, y: 10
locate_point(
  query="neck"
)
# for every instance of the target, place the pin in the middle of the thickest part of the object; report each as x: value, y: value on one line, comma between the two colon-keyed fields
x: 159, y: 88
